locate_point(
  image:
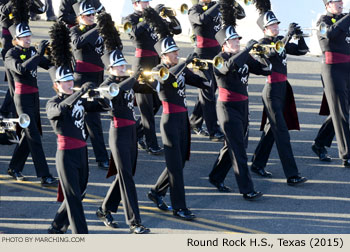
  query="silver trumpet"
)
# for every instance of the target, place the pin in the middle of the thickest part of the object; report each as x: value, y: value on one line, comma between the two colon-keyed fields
x: 9, y: 124
x: 109, y: 92
x: 322, y: 29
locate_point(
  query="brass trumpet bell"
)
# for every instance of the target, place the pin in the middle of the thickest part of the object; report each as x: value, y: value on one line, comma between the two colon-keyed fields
x: 126, y: 27
x: 163, y: 73
x: 262, y: 49
x: 184, y: 9
x: 167, y: 12
x: 202, y: 64
x: 10, y: 124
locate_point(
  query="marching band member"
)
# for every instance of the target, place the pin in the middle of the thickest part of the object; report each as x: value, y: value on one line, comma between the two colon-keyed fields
x: 122, y: 133
x: 67, y: 14
x: 143, y: 37
x: 7, y: 11
x: 205, y: 21
x: 22, y: 61
x: 278, y: 98
x: 335, y: 67
x: 174, y: 125
x: 66, y: 112
x: 232, y: 105
x: 87, y: 51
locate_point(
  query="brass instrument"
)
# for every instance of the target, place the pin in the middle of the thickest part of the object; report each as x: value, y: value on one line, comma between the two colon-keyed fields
x: 322, y: 29
x: 183, y: 9
x: 246, y: 2
x: 126, y: 27
x: 263, y: 49
x: 109, y: 92
x: 9, y: 124
x: 202, y: 64
x: 163, y: 73
x: 167, y: 12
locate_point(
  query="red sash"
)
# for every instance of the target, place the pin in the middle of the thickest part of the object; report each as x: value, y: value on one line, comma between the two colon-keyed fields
x: 139, y: 53
x: 120, y: 122
x: 336, y: 58
x: 276, y: 77
x: 206, y: 42
x: 169, y: 108
x: 21, y: 88
x: 5, y: 31
x: 226, y: 95
x: 85, y: 67
x: 68, y: 143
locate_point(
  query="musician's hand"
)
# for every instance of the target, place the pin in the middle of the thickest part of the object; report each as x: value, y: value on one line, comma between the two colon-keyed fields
x: 87, y: 86
x: 190, y: 57
x: 137, y: 73
x: 42, y: 47
x: 158, y: 8
x: 251, y: 44
x: 291, y: 29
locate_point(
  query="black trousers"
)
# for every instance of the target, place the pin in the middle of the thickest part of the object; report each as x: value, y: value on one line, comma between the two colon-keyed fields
x: 276, y: 129
x: 175, y: 136
x: 30, y: 141
x: 8, y: 105
x: 205, y: 105
x: 233, y: 119
x: 336, y: 81
x: 326, y: 133
x: 73, y: 171
x: 122, y: 142
x: 148, y: 104
x: 93, y: 119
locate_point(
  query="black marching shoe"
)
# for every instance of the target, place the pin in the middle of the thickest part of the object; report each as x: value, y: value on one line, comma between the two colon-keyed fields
x: 106, y: 218
x: 346, y: 163
x: 260, y: 171
x: 296, y: 180
x: 52, y: 230
x: 252, y: 196
x: 184, y: 214
x: 220, y: 186
x: 16, y: 175
x: 158, y: 200
x: 49, y: 181
x: 137, y: 228
x: 217, y: 137
x: 200, y: 131
x: 103, y: 165
x: 155, y: 150
x: 141, y: 145
x: 321, y: 152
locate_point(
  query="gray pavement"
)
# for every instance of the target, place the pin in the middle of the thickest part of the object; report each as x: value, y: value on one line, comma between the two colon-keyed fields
x: 319, y: 206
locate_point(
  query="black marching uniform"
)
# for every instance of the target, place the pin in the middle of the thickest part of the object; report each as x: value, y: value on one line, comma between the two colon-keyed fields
x: 22, y: 64
x: 335, y: 46
x: 66, y: 114
x: 123, y: 144
x: 6, y: 20
x: 175, y: 132
x: 87, y: 51
x: 144, y: 38
x: 275, y: 98
x: 233, y: 112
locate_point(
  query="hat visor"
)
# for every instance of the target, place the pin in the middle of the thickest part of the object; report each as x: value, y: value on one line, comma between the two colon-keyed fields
x: 171, y: 49
x: 88, y: 12
x: 120, y: 62
x: 24, y: 34
x: 275, y: 21
x: 67, y: 77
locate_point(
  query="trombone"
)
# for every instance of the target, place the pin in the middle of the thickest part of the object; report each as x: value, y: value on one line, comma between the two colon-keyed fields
x: 202, y: 64
x: 263, y: 49
x: 9, y: 124
x: 126, y: 27
x: 109, y: 92
x: 163, y: 73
